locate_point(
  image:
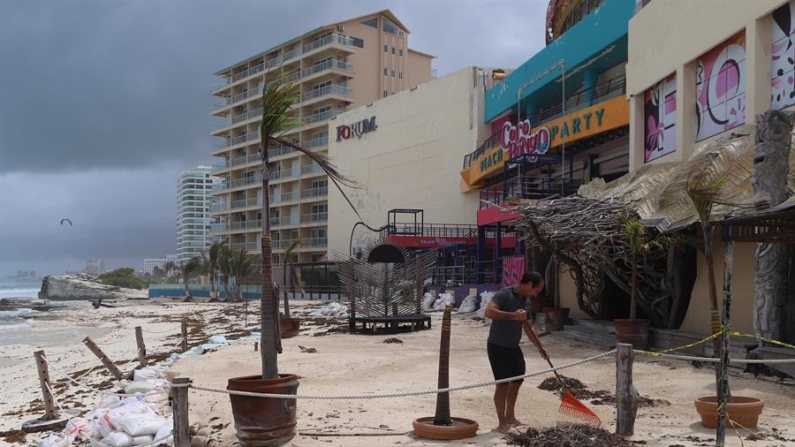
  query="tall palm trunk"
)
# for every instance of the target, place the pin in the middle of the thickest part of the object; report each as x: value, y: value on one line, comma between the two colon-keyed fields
x: 269, y: 303
x: 286, y: 301
x: 226, y: 287
x: 633, y: 313
x: 442, y: 416
x: 714, y: 321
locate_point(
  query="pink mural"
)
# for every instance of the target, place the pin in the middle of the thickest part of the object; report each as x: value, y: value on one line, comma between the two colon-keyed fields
x: 782, y: 87
x: 512, y: 270
x: 660, y: 119
x: 720, y: 88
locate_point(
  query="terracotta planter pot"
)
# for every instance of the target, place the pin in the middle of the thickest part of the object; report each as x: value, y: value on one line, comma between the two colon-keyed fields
x: 261, y: 422
x: 288, y: 327
x: 537, y: 305
x: 460, y: 429
x: 555, y: 318
x: 634, y: 332
x: 744, y: 411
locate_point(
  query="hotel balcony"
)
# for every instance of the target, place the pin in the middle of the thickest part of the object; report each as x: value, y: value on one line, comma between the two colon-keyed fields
x: 239, y: 161
x: 315, y: 242
x: 250, y: 246
x: 331, y: 41
x: 329, y: 67
x: 316, y: 143
x: 314, y: 218
x: 314, y: 193
x: 332, y: 91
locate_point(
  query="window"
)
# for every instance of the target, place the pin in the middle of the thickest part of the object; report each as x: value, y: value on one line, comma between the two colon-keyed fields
x: 390, y: 27
x: 318, y: 257
x: 357, y: 42
x: 393, y: 50
x: 322, y: 208
x: 385, y: 72
x: 401, y: 52
x: 393, y: 73
x: 386, y: 93
x: 371, y: 22
x: 400, y: 75
x: 386, y: 48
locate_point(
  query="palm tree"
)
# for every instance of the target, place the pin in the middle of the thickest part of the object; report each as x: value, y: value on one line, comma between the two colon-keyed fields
x: 189, y: 270
x: 169, y: 267
x: 224, y: 268
x: 278, y: 99
x: 211, y: 258
x: 288, y: 264
x: 241, y: 265
x: 704, y: 192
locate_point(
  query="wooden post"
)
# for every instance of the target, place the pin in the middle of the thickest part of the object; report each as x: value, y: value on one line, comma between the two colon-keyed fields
x: 44, y: 380
x: 626, y: 394
x: 114, y: 370
x: 185, y: 335
x: 139, y: 340
x: 181, y: 423
x: 724, y: 396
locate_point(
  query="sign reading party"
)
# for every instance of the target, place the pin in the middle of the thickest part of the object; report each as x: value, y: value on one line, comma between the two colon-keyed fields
x: 348, y: 131
x: 517, y: 140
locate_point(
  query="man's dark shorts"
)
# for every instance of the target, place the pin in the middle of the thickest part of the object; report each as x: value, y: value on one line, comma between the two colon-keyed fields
x: 506, y: 362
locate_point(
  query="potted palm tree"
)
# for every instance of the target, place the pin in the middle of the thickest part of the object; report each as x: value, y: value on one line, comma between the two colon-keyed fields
x: 258, y: 421
x: 633, y: 330
x: 289, y: 326
x: 704, y: 190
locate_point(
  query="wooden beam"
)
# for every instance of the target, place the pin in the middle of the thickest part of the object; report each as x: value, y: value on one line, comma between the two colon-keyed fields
x: 626, y: 394
x: 44, y: 381
x: 181, y: 420
x: 114, y: 370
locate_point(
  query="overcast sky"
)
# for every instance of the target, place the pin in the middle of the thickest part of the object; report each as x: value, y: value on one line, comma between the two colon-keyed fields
x: 103, y: 103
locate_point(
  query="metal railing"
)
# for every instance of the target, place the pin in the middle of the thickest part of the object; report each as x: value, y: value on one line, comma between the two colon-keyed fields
x: 257, y: 178
x: 327, y: 40
x: 314, y: 217
x: 328, y: 65
x: 314, y: 192
x: 528, y: 188
x: 292, y: 77
x: 315, y: 242
x: 288, y: 220
x: 322, y: 116
x: 332, y: 89
x: 276, y: 61
x: 430, y: 230
x: 250, y: 246
x: 247, y: 115
x: 280, y: 150
x: 220, y: 186
x: 286, y: 173
x: 246, y: 225
x: 246, y: 73
x: 316, y: 142
x: 599, y: 93
x: 247, y: 94
x: 286, y: 197
x: 292, y: 53
x: 313, y: 168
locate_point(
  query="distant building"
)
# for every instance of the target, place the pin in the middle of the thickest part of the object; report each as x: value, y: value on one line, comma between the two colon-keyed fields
x: 193, y: 212
x: 95, y: 267
x: 26, y: 274
x: 151, y: 263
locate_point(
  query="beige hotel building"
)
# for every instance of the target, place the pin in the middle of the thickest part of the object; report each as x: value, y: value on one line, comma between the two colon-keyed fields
x: 339, y: 67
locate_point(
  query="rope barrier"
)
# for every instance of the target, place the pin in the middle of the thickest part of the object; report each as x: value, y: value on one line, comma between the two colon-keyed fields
x: 149, y: 331
x: 394, y: 395
x: 712, y: 359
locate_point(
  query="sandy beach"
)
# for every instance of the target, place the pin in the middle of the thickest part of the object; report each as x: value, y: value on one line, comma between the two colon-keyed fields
x: 363, y: 365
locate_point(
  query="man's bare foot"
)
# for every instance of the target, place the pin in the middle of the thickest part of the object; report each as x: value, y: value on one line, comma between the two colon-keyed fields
x: 504, y: 429
x: 514, y: 421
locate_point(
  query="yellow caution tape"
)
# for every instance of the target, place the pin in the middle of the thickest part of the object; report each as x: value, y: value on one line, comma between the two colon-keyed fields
x: 690, y: 345
x: 766, y: 340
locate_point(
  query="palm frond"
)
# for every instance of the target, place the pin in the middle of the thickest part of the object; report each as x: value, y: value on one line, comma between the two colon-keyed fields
x: 278, y: 100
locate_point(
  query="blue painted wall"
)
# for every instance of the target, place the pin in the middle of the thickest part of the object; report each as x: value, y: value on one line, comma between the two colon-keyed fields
x: 586, y: 42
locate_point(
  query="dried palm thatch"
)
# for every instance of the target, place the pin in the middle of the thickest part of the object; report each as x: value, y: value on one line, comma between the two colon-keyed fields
x: 658, y: 192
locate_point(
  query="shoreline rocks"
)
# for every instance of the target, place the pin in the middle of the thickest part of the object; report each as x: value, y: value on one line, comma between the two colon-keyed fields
x: 82, y: 286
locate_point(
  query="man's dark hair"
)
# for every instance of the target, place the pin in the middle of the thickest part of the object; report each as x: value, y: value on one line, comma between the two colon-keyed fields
x: 533, y: 278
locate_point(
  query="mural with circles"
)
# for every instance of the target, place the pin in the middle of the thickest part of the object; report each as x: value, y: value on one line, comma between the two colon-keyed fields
x: 660, y: 119
x: 782, y: 83
x: 720, y: 88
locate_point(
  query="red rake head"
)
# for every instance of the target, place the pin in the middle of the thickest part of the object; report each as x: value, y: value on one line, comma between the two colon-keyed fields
x: 572, y: 407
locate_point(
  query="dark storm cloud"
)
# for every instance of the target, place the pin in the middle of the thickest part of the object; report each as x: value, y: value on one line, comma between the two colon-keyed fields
x: 91, y: 90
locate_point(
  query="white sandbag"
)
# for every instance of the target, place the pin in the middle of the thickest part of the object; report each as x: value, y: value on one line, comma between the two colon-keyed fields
x: 108, y: 400
x: 468, y: 305
x: 427, y: 301
x: 139, y: 425
x: 218, y: 340
x: 485, y: 297
x: 166, y: 430
x: 444, y: 299
x: 79, y: 428
x: 117, y: 439
x: 140, y: 388
x: 102, y: 425
x: 144, y: 374
x: 55, y: 440
x: 141, y: 440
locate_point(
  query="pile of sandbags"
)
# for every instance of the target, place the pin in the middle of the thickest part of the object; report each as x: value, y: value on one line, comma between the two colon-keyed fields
x: 444, y: 300
x: 129, y: 418
x: 333, y: 310
x: 469, y: 304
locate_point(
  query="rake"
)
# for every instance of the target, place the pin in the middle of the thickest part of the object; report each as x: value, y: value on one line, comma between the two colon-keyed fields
x: 572, y: 407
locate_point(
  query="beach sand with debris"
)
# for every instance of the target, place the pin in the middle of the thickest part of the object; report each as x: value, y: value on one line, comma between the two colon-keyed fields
x: 363, y: 365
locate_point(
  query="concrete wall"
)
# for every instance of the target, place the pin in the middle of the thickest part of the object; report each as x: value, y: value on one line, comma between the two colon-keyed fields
x: 658, y: 48
x: 411, y: 158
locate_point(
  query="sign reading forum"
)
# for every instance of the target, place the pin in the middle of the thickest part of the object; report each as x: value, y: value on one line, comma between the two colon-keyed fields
x: 348, y: 131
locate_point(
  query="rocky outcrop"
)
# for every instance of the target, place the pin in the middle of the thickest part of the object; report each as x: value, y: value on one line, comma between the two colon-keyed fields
x: 83, y: 287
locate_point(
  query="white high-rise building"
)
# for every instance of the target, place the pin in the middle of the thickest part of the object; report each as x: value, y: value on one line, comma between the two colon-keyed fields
x: 193, y: 212
x: 151, y: 263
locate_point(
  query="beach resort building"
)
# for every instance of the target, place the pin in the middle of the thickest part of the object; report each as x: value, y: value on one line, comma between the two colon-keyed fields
x: 338, y: 67
x: 407, y: 157
x: 150, y: 263
x: 557, y: 121
x: 194, y: 202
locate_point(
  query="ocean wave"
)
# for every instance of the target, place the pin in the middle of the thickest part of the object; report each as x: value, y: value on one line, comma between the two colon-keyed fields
x: 15, y: 292
x: 10, y: 325
x: 18, y: 313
